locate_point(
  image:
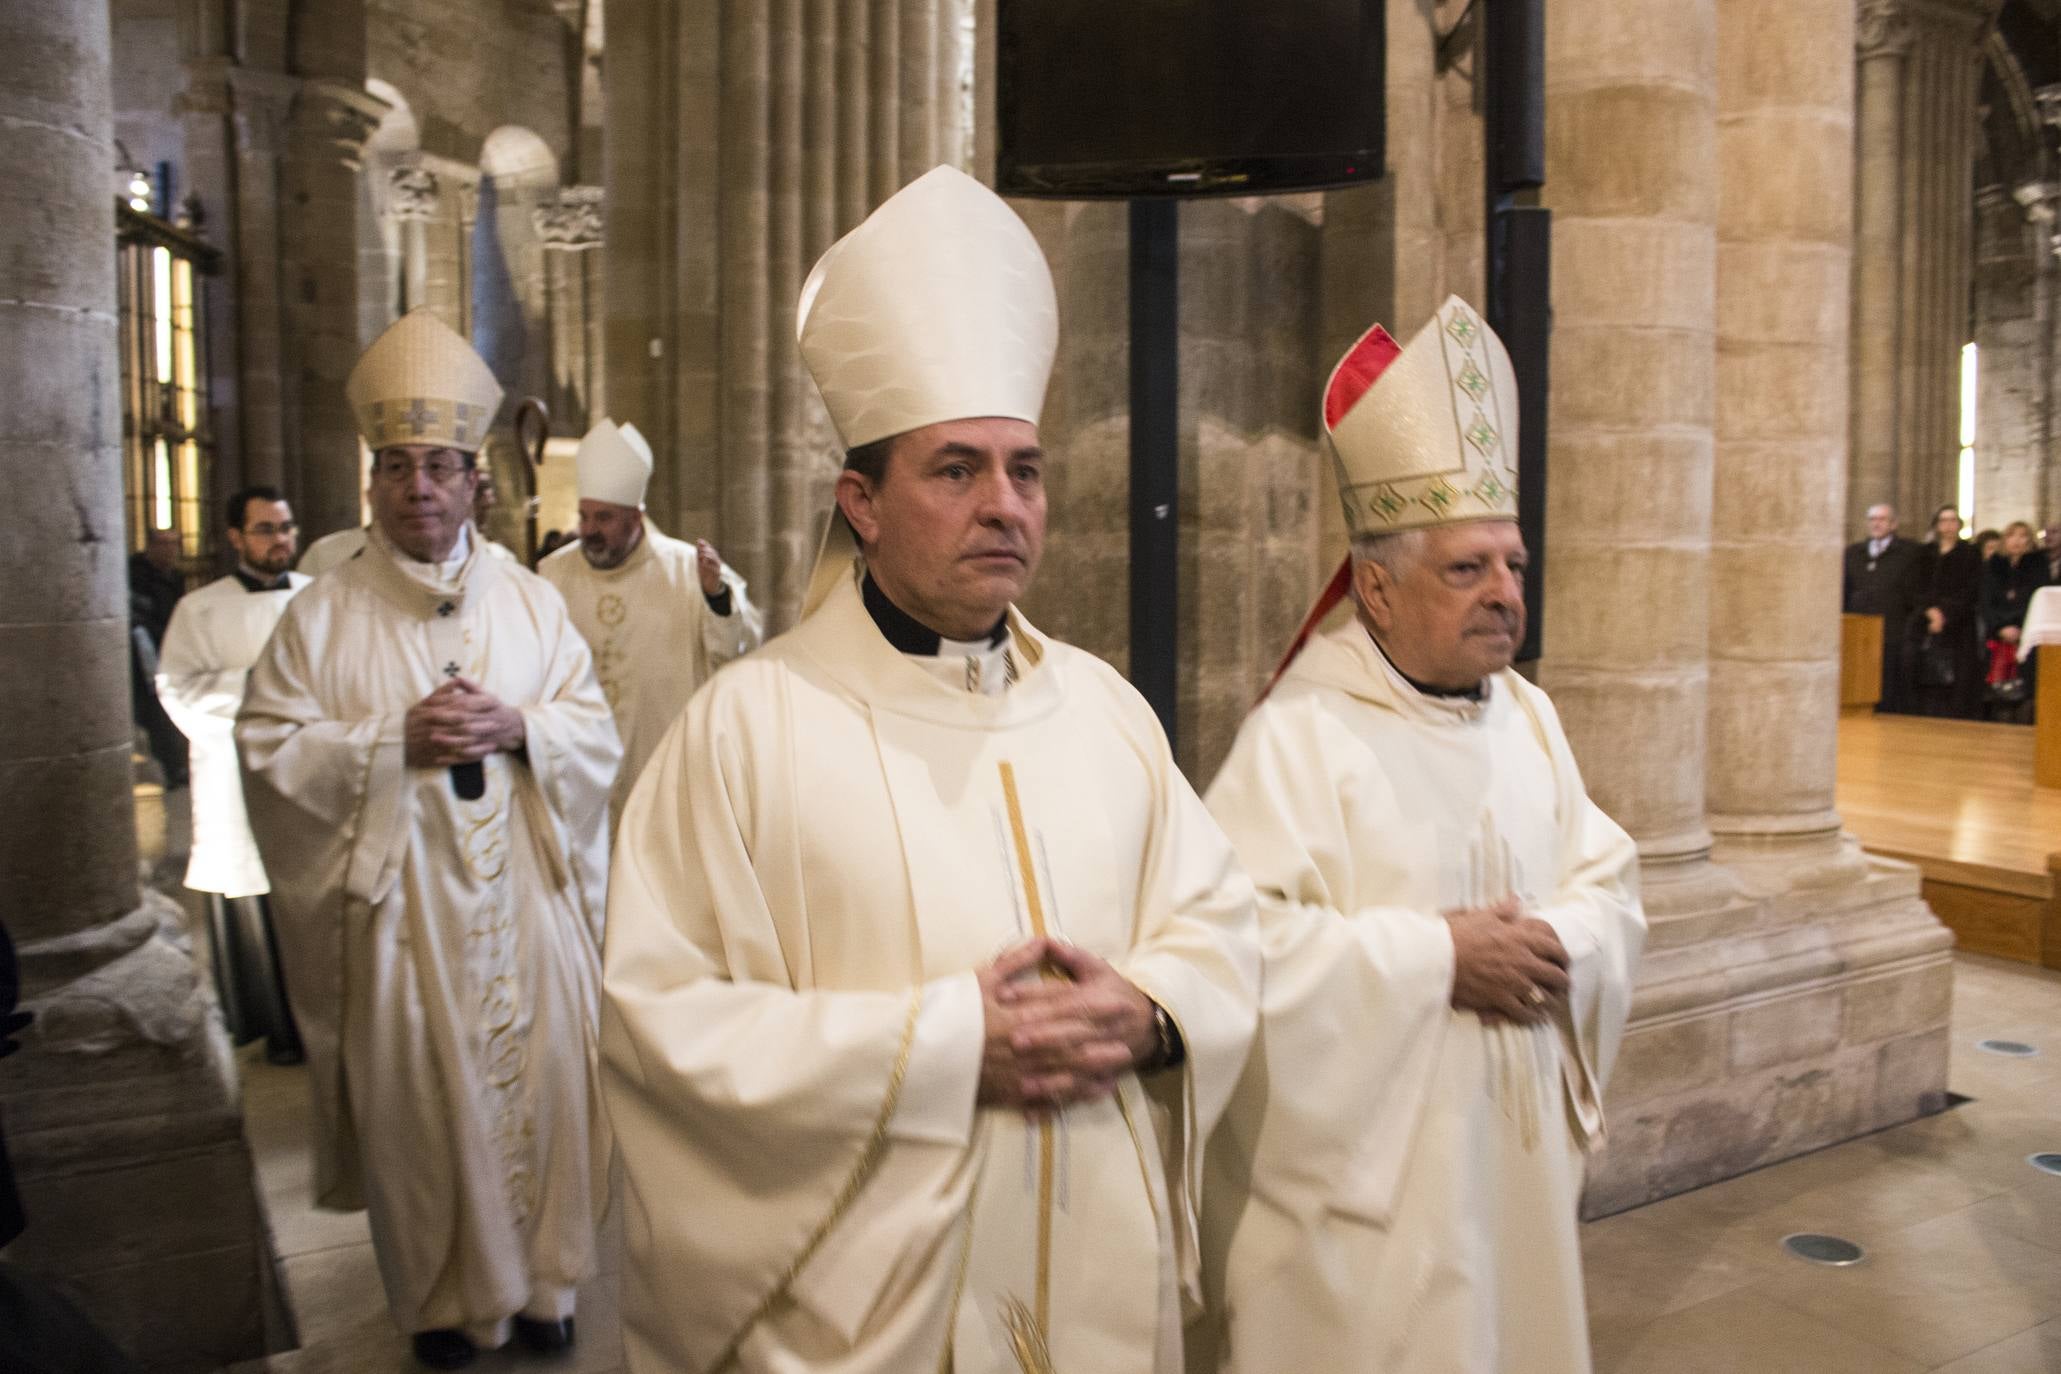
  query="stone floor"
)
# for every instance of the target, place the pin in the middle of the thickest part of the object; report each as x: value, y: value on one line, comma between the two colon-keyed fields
x: 1963, y: 1271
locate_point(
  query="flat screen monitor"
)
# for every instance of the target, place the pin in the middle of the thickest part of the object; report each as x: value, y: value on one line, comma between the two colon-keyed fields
x: 1127, y: 98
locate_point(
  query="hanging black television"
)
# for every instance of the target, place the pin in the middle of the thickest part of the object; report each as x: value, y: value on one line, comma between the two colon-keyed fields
x: 1113, y: 99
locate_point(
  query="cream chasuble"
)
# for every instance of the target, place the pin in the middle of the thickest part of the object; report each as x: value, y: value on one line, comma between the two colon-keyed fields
x: 654, y: 638
x: 215, y: 636
x: 827, y: 844
x: 1394, y: 1186
x: 443, y: 954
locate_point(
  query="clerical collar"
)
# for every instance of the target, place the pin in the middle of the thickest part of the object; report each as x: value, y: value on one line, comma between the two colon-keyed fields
x: 255, y: 581
x: 911, y: 636
x: 1478, y: 692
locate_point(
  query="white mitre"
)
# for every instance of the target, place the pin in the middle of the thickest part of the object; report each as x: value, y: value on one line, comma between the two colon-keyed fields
x: 1426, y: 434
x: 420, y: 383
x: 938, y: 307
x: 613, y: 464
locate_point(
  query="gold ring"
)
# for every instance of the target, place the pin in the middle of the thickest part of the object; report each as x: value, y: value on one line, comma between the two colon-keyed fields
x: 1536, y: 997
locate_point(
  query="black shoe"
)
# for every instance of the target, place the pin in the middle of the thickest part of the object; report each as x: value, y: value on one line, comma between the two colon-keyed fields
x: 546, y: 1338
x: 443, y: 1349
x: 285, y: 1056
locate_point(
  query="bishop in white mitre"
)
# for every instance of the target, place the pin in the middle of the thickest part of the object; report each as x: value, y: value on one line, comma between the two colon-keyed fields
x: 428, y: 759
x: 1450, y: 926
x: 927, y: 973
x: 214, y: 637
x: 659, y: 613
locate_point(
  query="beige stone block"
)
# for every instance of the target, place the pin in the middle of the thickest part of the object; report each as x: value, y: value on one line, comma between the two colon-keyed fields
x: 1631, y: 151
x: 1786, y: 290
x: 1620, y: 377
x: 1653, y: 616
x: 1677, y: 272
x: 1899, y: 1003
x: 1785, y: 1030
x: 200, y: 1311
x: 1638, y: 740
x: 1780, y: 491
x: 121, y: 1216
x: 67, y: 690
x: 1669, y: 42
x: 1911, y: 1076
x: 1773, y: 737
x: 1782, y: 173
x: 1759, y: 614
x: 1779, y: 391
x: 1650, y: 486
x: 1669, y: 1058
x: 67, y: 841
x: 1785, y: 52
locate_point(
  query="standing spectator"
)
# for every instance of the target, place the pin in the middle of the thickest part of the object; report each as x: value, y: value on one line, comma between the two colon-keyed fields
x: 1987, y: 543
x: 215, y: 637
x: 2050, y: 543
x: 1944, y: 649
x: 155, y: 586
x: 2009, y: 580
x: 1880, y: 579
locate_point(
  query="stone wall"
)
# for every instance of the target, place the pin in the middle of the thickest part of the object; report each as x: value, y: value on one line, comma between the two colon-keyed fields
x: 2013, y: 330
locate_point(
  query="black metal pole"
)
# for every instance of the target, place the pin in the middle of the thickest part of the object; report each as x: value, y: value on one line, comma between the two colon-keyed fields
x: 1155, y: 452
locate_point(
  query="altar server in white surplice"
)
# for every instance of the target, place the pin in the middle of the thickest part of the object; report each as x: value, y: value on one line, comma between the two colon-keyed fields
x: 926, y: 970
x: 1450, y: 926
x: 215, y: 636
x: 659, y: 613
x: 428, y: 759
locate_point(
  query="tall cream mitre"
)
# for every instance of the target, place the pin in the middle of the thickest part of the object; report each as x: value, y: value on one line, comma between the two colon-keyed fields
x: 1425, y: 434
x: 939, y: 307
x: 420, y: 383
x: 613, y: 465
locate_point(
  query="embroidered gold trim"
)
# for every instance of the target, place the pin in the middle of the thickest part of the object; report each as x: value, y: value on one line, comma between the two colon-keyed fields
x: 1027, y: 1328
x: 869, y: 1160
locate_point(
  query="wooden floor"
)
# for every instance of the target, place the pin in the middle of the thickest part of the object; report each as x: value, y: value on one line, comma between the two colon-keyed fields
x: 1958, y: 799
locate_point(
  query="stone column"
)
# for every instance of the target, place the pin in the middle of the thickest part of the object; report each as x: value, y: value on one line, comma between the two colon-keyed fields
x: 570, y: 229
x: 1785, y: 151
x: 1630, y: 147
x: 120, y: 1111
x: 1919, y: 64
x: 784, y: 122
x: 2013, y: 270
x: 332, y: 117
x: 411, y: 202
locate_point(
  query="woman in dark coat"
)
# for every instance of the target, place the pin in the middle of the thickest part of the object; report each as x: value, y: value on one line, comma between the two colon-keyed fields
x: 2008, y: 581
x: 1945, y: 643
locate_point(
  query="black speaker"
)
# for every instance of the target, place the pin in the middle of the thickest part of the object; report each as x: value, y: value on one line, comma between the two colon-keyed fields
x: 1514, y: 88
x: 1524, y: 320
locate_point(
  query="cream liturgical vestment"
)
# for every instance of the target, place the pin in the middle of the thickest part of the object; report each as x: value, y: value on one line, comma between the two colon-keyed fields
x: 1395, y: 1185
x: 443, y: 953
x: 654, y: 636
x: 823, y: 850
x: 215, y: 636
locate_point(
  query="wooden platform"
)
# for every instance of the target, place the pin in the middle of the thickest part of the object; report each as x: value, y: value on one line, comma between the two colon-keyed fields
x: 1957, y: 798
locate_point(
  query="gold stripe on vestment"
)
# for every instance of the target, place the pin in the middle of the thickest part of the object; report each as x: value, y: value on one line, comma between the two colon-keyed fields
x: 1027, y: 1327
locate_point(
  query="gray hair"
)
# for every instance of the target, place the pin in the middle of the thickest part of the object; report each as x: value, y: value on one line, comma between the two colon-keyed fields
x: 1394, y: 552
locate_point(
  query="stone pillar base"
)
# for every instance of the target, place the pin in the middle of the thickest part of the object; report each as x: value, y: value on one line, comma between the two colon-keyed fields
x: 1799, y: 1015
x: 125, y: 1124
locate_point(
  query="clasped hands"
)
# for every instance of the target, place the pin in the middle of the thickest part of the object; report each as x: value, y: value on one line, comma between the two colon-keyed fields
x: 1062, y: 1027
x: 460, y: 722
x: 1507, y: 965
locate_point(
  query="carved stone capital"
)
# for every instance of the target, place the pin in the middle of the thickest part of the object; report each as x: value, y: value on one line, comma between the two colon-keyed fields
x: 411, y: 194
x: 341, y: 116
x: 1882, y: 28
x: 571, y: 222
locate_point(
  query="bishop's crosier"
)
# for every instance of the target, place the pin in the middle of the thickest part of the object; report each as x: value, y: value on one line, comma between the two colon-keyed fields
x: 926, y: 971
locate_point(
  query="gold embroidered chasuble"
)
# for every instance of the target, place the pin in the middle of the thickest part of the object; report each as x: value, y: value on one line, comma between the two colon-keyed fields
x: 818, y: 857
x: 1394, y: 1186
x: 653, y: 636
x: 442, y: 953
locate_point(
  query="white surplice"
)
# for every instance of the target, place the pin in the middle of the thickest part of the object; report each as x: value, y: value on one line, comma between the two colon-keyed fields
x: 443, y: 954
x: 1394, y: 1187
x: 655, y: 638
x: 816, y: 860
x: 215, y: 636
x: 332, y: 550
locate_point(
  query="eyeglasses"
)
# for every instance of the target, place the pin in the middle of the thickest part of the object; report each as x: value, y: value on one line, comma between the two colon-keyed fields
x: 442, y: 468
x: 271, y: 531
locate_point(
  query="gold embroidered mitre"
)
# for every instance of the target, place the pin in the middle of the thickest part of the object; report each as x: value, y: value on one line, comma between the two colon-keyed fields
x: 1425, y: 434
x: 420, y: 383
x: 938, y: 307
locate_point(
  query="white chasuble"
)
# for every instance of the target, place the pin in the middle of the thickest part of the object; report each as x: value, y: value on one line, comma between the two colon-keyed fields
x: 824, y: 848
x: 1394, y: 1187
x: 215, y: 636
x: 654, y: 638
x: 442, y: 951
